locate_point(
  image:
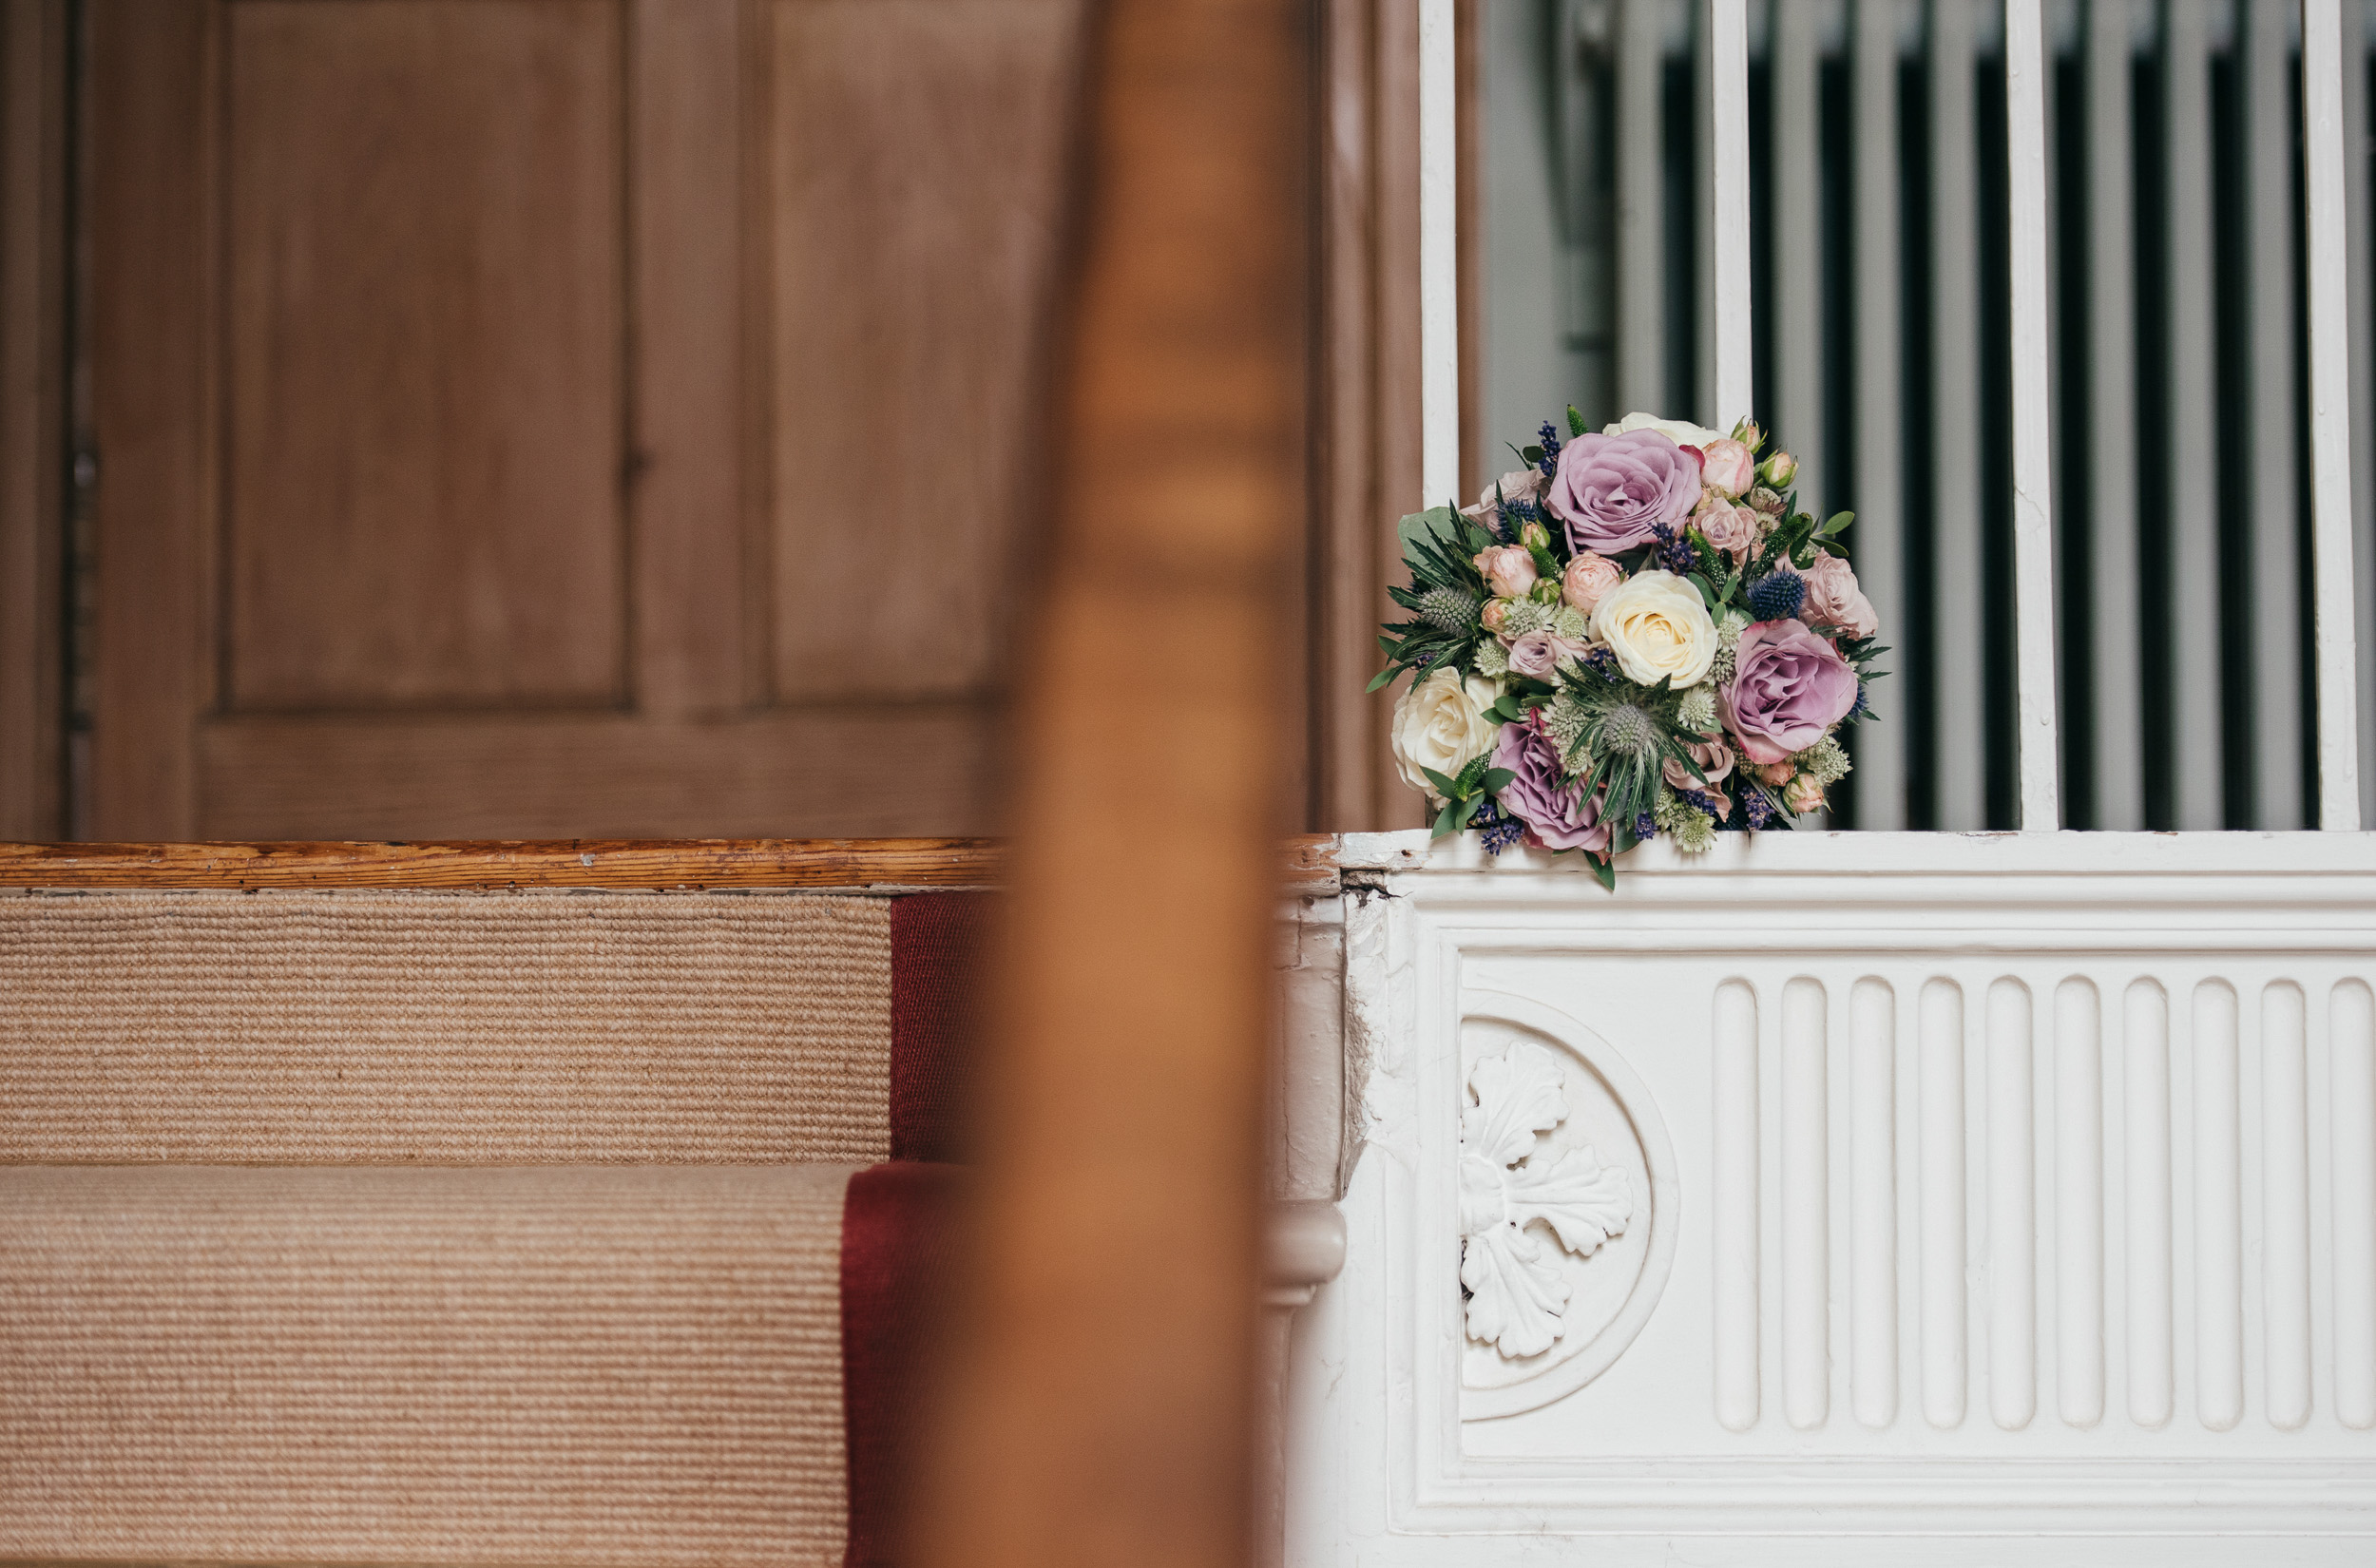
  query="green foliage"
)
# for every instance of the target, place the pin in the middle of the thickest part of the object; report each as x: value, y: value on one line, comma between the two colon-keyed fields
x: 1437, y: 546
x: 1466, y: 791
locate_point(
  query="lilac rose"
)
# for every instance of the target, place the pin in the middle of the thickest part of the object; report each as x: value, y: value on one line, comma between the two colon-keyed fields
x: 1613, y: 491
x: 1555, y: 813
x: 1537, y: 655
x: 1788, y: 687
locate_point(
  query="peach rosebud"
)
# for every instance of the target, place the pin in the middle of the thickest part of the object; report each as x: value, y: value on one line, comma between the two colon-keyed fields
x: 1507, y: 569
x: 1588, y: 581
x: 1775, y: 774
x: 1728, y: 467
x: 1779, y: 470
x: 1803, y: 794
x: 1496, y: 615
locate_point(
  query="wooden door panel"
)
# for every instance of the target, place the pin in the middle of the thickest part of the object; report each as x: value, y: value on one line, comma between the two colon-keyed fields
x: 838, y: 772
x: 550, y: 417
x: 915, y: 153
x: 425, y: 330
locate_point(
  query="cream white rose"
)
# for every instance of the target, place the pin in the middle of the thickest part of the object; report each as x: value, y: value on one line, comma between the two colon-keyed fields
x: 1440, y: 723
x: 1658, y: 626
x: 1681, y: 431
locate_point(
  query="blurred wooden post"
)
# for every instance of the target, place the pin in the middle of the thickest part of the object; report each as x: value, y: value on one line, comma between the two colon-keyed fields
x: 1100, y: 1413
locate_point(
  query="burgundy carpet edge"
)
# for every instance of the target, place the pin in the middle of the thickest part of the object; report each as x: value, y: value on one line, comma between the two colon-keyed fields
x: 938, y: 943
x: 899, y: 1250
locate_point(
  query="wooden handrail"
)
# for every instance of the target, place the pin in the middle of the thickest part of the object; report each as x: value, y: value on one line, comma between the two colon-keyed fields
x: 658, y: 863
x: 564, y: 863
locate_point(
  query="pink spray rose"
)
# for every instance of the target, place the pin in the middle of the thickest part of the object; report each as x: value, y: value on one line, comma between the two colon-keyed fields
x: 1834, y: 600
x: 1775, y: 774
x: 1507, y: 569
x: 1496, y: 614
x: 1588, y: 581
x: 1788, y: 686
x: 1802, y: 796
x: 1556, y: 813
x: 1613, y: 491
x: 1727, y: 527
x: 1727, y: 467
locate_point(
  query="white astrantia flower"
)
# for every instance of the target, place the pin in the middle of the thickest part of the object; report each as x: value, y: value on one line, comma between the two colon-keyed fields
x: 1697, y: 711
x: 1658, y: 627
x: 1440, y: 723
x: 1492, y: 658
x: 1523, y: 616
x: 1826, y: 761
x: 1681, y: 431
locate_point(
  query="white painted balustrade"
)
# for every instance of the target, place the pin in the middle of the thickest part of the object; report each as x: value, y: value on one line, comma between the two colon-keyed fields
x: 2014, y: 1188
x: 1856, y: 1200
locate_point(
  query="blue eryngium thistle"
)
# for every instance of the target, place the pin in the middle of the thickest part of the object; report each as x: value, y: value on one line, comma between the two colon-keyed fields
x: 1450, y: 610
x: 1862, y: 707
x: 1777, y: 596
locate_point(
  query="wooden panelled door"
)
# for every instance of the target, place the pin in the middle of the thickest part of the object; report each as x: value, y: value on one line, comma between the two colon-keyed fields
x: 521, y: 418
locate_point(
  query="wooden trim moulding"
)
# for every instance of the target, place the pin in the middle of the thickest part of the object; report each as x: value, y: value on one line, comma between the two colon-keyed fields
x: 812, y: 863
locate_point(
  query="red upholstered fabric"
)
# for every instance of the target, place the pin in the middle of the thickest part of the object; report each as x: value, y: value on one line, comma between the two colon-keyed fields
x: 899, y: 1263
x: 938, y: 941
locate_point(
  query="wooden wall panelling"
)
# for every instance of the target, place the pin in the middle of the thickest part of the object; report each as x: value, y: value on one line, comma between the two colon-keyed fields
x: 32, y: 401
x: 837, y: 771
x: 687, y: 487
x: 514, y: 341
x: 1368, y: 395
x: 425, y: 327
x: 915, y: 158
x: 151, y: 70
x: 1345, y: 736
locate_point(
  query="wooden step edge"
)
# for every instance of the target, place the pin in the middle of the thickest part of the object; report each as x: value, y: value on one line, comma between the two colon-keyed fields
x: 691, y: 862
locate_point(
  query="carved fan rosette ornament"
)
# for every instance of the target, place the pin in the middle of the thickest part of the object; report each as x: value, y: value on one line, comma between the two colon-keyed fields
x: 1517, y: 1292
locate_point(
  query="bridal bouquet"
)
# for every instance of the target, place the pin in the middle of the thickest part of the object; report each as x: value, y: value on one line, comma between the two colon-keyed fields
x: 1638, y: 633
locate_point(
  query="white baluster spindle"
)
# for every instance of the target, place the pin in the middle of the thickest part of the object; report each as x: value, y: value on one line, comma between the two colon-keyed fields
x: 2033, y: 472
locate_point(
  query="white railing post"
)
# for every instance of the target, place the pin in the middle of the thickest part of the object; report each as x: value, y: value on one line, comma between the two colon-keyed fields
x: 2033, y: 471
x: 1877, y: 488
x: 1728, y: 206
x: 2118, y: 722
x: 1439, y: 258
x: 2324, y: 147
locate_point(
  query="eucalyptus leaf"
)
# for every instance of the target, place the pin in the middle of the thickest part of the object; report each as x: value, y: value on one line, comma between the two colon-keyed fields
x: 1496, y: 780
